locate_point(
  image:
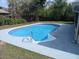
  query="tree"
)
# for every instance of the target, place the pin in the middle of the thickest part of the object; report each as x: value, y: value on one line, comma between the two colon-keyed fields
x: 12, y: 7
x: 31, y: 10
x: 69, y: 14
x: 61, y: 10
x: 58, y: 9
x: 37, y: 7
x: 15, y: 6
x: 1, y: 7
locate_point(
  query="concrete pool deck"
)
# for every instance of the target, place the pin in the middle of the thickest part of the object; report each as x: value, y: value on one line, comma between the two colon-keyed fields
x: 60, y: 48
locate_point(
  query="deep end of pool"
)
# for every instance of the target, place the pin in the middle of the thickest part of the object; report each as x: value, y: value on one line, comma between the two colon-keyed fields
x: 38, y: 32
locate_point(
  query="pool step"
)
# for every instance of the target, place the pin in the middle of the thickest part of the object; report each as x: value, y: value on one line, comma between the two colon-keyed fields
x: 27, y: 39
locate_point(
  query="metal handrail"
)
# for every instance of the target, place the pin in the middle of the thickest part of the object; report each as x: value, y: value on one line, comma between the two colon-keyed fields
x: 28, y: 37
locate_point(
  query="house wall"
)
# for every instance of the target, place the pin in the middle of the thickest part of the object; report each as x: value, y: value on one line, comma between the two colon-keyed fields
x: 4, y: 14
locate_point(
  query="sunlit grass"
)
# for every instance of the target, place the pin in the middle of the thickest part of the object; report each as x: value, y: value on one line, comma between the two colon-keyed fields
x: 13, y: 52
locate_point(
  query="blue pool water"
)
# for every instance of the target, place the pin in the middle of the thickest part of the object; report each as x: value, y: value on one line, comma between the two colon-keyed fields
x: 38, y: 32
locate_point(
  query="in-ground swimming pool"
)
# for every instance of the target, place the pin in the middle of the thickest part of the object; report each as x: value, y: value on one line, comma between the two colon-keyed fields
x: 38, y: 32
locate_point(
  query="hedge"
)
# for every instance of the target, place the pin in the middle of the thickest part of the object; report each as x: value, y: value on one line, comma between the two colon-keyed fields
x: 10, y: 21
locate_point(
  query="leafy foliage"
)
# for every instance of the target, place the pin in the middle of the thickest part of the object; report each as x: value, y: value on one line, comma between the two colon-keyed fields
x: 10, y: 21
x: 35, y: 10
x: 69, y: 14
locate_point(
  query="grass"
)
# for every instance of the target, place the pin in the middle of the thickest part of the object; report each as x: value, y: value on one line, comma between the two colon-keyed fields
x: 13, y: 52
x: 10, y: 26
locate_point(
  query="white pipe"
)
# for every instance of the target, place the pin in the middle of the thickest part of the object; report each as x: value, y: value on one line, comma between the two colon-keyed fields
x: 77, y: 30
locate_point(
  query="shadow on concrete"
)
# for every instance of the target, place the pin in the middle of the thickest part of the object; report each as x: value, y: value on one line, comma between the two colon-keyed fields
x: 64, y: 41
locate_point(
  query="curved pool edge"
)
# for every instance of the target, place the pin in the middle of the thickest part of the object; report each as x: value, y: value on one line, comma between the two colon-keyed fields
x: 34, y: 24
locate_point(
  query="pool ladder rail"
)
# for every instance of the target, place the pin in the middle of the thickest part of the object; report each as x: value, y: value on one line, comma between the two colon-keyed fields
x: 28, y: 38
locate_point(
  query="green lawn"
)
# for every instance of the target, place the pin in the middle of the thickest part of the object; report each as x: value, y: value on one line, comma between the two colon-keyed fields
x: 10, y: 26
x: 11, y: 52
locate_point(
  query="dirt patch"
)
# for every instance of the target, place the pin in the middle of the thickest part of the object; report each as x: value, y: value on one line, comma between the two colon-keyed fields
x: 2, y: 43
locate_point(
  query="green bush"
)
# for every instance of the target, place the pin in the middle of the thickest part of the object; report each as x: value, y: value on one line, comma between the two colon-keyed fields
x: 7, y: 21
x: 10, y: 21
x: 19, y: 21
x: 1, y: 21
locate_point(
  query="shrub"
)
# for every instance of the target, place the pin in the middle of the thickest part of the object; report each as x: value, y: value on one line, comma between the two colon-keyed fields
x: 10, y: 21
x: 1, y: 21
x: 19, y: 21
